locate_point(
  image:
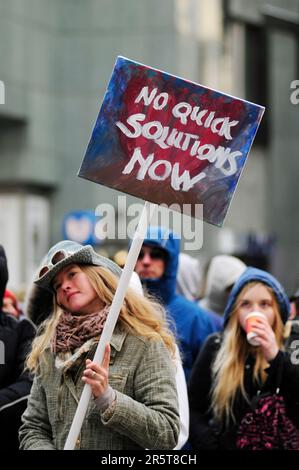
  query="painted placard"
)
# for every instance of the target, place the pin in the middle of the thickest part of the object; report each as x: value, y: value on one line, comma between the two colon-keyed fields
x: 169, y: 140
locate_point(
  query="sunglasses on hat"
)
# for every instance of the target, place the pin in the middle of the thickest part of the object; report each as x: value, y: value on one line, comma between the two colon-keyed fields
x: 57, y: 256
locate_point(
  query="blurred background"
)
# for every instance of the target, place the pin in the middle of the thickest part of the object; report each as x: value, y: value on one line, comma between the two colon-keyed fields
x: 56, y: 58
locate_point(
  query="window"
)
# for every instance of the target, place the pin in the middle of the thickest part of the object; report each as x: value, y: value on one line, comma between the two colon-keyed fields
x: 256, y: 74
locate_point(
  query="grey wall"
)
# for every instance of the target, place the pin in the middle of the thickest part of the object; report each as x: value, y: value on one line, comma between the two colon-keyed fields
x: 266, y: 200
x: 29, y: 45
x: 283, y: 164
x: 93, y: 34
x: 55, y: 60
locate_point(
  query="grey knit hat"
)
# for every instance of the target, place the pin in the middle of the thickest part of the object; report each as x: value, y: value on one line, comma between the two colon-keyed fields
x: 68, y: 252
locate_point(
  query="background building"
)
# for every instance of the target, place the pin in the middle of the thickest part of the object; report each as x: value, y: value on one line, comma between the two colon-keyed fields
x: 56, y: 58
x: 261, y: 52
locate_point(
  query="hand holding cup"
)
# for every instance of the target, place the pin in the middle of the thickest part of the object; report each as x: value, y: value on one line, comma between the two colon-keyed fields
x: 260, y: 333
x: 250, y: 321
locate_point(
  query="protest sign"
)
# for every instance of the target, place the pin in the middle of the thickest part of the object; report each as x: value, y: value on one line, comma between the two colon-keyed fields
x: 168, y: 140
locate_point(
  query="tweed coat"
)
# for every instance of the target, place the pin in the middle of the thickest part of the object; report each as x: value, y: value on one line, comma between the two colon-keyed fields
x: 145, y: 414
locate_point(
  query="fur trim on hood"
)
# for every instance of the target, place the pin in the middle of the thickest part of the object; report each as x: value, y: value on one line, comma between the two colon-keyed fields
x: 38, y: 304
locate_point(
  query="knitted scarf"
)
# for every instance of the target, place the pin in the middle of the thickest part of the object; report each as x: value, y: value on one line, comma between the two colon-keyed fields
x: 73, y: 331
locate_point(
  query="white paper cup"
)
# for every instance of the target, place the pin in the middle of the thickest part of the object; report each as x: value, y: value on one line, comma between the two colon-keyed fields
x: 249, y: 321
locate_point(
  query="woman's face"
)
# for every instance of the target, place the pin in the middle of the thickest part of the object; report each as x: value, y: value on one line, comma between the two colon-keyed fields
x: 74, y: 291
x: 256, y: 299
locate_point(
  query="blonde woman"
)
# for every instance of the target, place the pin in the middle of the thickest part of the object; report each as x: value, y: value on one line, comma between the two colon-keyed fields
x: 134, y: 402
x: 229, y: 371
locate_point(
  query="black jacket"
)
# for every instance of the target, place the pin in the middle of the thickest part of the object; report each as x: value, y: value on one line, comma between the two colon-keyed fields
x: 15, y: 383
x: 206, y: 434
x: 15, y: 341
x: 3, y: 274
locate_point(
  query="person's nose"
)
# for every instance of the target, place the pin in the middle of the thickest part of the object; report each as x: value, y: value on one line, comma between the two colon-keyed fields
x: 66, y: 284
x: 146, y: 258
x: 255, y: 307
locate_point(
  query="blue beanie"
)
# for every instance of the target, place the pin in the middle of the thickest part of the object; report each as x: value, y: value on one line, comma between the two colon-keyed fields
x: 254, y: 274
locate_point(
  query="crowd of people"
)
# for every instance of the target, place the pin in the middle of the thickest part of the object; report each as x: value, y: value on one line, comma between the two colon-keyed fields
x: 180, y: 371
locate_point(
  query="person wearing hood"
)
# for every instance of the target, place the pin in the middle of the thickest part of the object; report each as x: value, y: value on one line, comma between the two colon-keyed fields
x: 188, y: 285
x: 134, y: 403
x: 222, y: 273
x: 229, y: 371
x: 11, y: 305
x: 15, y: 383
x: 157, y: 267
x: 189, y: 277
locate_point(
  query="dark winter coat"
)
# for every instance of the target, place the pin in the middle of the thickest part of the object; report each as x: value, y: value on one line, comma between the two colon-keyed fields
x: 15, y: 340
x: 3, y: 274
x: 192, y: 324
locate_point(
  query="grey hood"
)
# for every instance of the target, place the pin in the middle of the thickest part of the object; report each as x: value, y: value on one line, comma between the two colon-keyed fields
x: 223, y: 272
x: 189, y: 277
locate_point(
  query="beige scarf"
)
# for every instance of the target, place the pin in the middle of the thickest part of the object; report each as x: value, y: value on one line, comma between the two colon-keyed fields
x: 73, y: 331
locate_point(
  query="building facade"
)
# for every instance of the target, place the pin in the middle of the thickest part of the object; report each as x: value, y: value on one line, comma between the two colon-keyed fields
x: 55, y: 61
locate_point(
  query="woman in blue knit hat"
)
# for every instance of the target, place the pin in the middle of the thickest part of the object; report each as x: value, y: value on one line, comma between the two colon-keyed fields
x: 229, y: 371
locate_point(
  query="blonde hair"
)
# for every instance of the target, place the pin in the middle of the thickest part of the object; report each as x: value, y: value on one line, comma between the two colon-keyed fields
x: 141, y: 315
x: 228, y: 366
